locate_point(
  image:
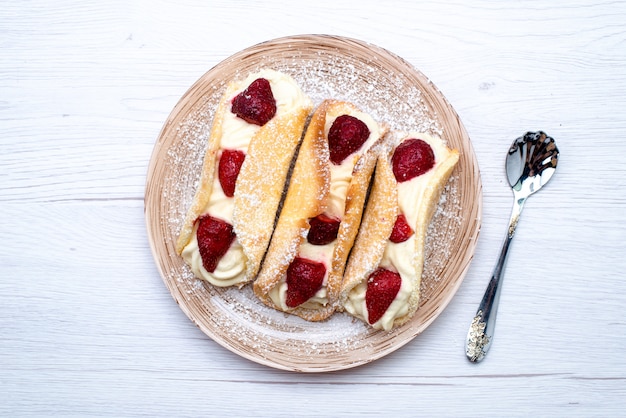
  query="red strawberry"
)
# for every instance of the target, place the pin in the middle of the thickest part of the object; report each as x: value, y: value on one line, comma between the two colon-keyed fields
x: 323, y: 230
x: 304, y: 278
x: 214, y: 238
x: 346, y: 135
x: 256, y: 103
x: 228, y: 169
x: 412, y: 158
x: 382, y: 287
x: 401, y: 230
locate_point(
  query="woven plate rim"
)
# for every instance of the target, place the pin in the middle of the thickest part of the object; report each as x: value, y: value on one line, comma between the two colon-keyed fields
x: 231, y: 319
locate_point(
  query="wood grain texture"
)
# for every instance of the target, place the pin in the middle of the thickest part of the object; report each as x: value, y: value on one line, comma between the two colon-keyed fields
x: 87, y: 327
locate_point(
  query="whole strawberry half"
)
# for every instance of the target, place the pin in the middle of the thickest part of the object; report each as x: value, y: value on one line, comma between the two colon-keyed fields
x: 323, y: 230
x: 412, y: 158
x: 382, y: 287
x: 304, y: 278
x: 228, y: 169
x: 401, y: 230
x: 347, y: 135
x: 256, y: 104
x: 214, y: 238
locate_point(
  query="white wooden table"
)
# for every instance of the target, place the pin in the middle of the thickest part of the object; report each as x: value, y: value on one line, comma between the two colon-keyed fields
x: 87, y: 327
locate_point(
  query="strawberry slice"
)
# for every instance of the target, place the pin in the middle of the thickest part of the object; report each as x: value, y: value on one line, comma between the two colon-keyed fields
x: 214, y: 239
x: 228, y: 169
x: 304, y: 278
x: 382, y: 287
x: 412, y: 158
x: 401, y: 230
x: 256, y: 104
x: 347, y: 134
x: 323, y: 230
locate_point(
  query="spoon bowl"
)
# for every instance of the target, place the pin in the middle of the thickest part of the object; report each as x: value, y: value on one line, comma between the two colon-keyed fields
x: 530, y: 164
x: 531, y: 161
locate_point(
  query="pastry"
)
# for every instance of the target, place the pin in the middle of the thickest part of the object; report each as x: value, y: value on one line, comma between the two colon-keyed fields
x: 256, y: 129
x: 382, y: 279
x: 304, y: 265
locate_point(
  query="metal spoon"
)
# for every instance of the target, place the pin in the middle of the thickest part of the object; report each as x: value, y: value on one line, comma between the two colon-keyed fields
x: 530, y: 163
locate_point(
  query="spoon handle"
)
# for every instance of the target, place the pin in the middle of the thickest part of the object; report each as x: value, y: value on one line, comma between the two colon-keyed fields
x: 480, y: 333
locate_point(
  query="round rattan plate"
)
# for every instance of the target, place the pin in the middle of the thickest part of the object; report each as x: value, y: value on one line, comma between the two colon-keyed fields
x: 380, y: 83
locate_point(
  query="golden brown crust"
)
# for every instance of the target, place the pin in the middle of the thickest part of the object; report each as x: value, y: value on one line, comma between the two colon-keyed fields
x: 305, y: 199
x: 205, y: 187
x: 430, y: 200
x: 308, y: 200
x: 378, y: 220
x: 355, y: 203
x: 261, y: 182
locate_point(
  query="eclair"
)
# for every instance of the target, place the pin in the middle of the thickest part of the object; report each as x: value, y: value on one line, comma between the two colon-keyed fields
x: 304, y: 265
x: 256, y: 129
x: 381, y: 285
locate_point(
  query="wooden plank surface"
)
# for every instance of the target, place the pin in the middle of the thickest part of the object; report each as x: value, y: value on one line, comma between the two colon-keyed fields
x: 87, y: 327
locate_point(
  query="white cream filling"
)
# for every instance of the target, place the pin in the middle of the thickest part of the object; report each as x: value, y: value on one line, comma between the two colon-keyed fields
x: 340, y: 178
x: 236, y: 134
x: 400, y: 257
x: 355, y: 305
x: 229, y: 270
x: 341, y: 174
x: 318, y: 253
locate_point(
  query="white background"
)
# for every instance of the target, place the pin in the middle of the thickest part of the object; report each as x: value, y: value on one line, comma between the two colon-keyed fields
x: 87, y: 327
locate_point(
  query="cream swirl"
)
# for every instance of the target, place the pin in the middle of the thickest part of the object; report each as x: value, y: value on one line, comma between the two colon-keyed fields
x: 395, y: 258
x: 237, y: 134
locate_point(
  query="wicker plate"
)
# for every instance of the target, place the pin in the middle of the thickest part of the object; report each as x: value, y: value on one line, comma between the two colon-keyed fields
x: 325, y: 67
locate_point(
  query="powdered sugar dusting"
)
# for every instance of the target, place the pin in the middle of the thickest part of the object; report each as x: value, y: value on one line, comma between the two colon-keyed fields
x: 235, y: 317
x: 445, y: 222
x: 380, y: 92
x: 250, y: 318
